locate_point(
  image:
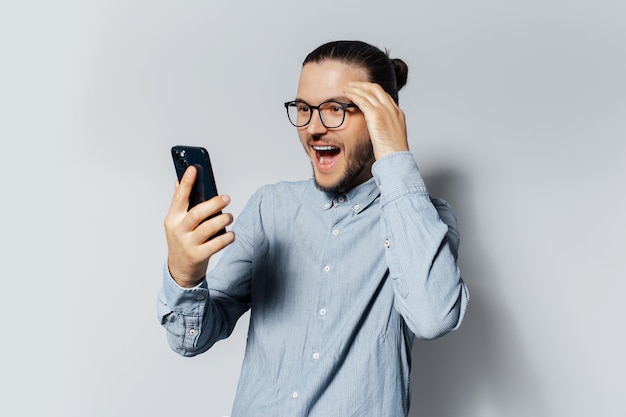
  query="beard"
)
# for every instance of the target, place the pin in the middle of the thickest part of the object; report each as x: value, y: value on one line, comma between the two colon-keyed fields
x: 358, y: 170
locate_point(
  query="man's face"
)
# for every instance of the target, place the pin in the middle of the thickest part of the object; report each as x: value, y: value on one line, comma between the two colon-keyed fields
x: 341, y: 157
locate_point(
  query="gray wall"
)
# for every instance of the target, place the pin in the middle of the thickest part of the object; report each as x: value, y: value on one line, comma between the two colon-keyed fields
x: 516, y: 114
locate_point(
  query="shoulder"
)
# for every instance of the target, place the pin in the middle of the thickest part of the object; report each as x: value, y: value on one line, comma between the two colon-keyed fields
x: 284, y: 190
x: 281, y: 196
x: 270, y: 203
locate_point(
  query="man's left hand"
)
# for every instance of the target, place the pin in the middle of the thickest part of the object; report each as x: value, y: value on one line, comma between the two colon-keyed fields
x: 385, y: 120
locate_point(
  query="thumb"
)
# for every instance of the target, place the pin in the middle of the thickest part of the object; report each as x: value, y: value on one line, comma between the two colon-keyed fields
x: 182, y: 191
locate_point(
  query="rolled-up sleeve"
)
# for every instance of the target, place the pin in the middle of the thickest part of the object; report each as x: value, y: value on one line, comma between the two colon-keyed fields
x: 181, y: 311
x: 195, y: 318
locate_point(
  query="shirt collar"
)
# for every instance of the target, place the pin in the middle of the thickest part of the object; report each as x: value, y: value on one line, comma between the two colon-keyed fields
x: 359, y: 198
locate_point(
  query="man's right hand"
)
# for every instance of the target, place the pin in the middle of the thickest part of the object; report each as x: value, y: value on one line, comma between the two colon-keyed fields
x: 188, y: 233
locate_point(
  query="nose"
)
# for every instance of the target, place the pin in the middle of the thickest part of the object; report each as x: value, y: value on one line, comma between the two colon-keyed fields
x: 315, y: 126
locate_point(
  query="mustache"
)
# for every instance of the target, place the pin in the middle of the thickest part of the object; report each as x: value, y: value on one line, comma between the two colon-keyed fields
x: 316, y: 140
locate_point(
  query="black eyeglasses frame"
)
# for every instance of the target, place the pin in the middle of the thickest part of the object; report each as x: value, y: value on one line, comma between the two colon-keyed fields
x: 344, y: 106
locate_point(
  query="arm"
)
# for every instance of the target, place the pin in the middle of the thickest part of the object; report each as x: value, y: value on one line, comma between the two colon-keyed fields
x: 194, y: 317
x: 422, y: 249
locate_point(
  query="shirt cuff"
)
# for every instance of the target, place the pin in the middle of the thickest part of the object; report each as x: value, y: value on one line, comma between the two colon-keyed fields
x: 397, y: 175
x: 186, y: 301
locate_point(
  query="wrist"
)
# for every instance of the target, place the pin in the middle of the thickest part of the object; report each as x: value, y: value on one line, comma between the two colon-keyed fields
x: 381, y: 152
x: 186, y: 278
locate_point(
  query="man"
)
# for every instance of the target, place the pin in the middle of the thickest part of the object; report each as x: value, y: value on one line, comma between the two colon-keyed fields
x: 340, y: 272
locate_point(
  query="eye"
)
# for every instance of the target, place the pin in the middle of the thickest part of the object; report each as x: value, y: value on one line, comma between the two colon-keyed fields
x: 336, y: 108
x: 303, y: 107
x: 331, y: 107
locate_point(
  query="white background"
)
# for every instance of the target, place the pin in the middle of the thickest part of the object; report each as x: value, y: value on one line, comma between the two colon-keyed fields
x: 516, y: 115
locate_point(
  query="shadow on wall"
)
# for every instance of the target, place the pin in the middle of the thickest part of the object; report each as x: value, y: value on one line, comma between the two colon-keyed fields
x: 481, y: 368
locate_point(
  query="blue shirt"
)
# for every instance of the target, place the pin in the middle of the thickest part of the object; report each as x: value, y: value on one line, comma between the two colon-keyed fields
x: 338, y: 287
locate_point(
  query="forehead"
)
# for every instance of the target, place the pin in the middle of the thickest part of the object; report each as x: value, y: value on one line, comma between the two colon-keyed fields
x: 320, y: 81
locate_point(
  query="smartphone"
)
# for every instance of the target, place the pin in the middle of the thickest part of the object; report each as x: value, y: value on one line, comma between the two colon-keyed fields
x: 204, y: 187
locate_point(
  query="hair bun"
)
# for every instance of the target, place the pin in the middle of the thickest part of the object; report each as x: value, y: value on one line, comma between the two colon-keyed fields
x: 390, y: 74
x: 401, y: 70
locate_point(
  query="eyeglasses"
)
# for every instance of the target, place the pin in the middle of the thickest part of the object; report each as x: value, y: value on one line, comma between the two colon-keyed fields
x: 332, y: 113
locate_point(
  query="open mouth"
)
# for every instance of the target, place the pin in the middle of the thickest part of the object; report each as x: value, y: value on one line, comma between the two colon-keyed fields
x: 326, y: 155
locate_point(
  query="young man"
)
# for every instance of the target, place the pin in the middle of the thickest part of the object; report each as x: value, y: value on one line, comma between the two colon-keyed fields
x: 340, y: 272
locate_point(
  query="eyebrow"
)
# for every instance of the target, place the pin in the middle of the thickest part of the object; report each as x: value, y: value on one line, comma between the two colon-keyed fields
x: 340, y: 99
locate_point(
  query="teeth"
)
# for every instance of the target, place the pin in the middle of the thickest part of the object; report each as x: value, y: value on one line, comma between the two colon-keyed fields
x: 324, y: 148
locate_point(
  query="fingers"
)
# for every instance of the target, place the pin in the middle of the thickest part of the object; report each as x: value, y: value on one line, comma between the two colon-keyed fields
x: 211, y: 227
x: 180, y: 202
x: 198, y: 246
x: 217, y: 243
x: 190, y: 237
x: 190, y: 233
x: 203, y: 211
x: 375, y: 103
x: 370, y: 95
x: 385, y: 120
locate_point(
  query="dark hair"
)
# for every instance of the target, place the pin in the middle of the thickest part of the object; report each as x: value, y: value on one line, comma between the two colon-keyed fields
x: 391, y: 74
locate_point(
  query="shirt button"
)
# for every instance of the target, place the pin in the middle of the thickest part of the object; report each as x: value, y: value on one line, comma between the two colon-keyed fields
x: 335, y: 232
x: 356, y: 207
x: 387, y: 243
x: 192, y: 332
x: 323, y: 312
x: 199, y: 297
x: 316, y: 356
x: 327, y: 205
x: 294, y: 394
x: 326, y: 268
x: 341, y: 199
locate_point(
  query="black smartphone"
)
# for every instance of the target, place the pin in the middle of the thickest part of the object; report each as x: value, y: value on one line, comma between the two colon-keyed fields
x: 204, y: 187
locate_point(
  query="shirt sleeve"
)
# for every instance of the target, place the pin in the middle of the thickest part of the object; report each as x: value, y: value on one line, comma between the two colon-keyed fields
x: 422, y: 243
x: 195, y: 318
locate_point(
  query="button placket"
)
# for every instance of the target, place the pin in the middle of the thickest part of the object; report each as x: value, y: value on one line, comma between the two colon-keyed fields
x: 330, y: 261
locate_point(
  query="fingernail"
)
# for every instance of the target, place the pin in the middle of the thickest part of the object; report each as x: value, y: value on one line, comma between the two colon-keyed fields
x: 226, y: 199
